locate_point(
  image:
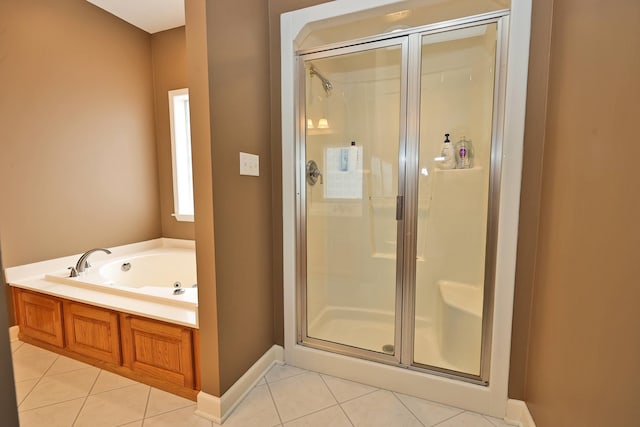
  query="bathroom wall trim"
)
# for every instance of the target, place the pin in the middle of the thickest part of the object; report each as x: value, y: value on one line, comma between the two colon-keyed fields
x: 518, y: 412
x: 13, y: 333
x: 492, y: 399
x: 217, y: 409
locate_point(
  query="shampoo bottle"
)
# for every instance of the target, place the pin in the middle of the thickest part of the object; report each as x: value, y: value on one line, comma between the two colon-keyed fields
x: 447, y: 157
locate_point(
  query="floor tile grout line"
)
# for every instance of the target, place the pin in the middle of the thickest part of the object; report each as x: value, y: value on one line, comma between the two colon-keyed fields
x: 431, y: 402
x: 37, y: 382
x: 273, y: 400
x: 116, y: 388
x: 17, y: 348
x: 447, y: 419
x: 68, y: 372
x: 328, y: 388
x: 362, y: 395
x: 488, y: 420
x: 44, y: 374
x: 146, y: 405
x: 346, y: 415
x: 408, y: 409
x: 334, y: 396
x: 32, y: 387
x: 169, y: 411
x: 84, y: 402
x: 315, y: 411
x: 51, y: 404
x: 286, y: 378
x: 486, y: 417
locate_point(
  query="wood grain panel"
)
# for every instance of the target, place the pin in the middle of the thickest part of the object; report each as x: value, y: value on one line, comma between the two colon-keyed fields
x: 40, y: 317
x: 158, y: 349
x: 92, y: 331
x: 196, y: 360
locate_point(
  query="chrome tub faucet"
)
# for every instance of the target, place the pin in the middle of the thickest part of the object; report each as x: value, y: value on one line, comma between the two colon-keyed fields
x: 83, y: 262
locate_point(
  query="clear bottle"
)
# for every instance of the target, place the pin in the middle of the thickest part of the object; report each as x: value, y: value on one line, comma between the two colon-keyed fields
x: 464, y: 154
x: 447, y: 158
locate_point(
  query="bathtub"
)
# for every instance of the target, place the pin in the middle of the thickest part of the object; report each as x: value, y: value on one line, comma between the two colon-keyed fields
x: 161, y: 274
x: 163, y: 268
x: 138, y: 278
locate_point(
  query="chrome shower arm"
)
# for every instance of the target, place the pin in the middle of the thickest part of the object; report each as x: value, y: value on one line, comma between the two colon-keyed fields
x: 326, y: 84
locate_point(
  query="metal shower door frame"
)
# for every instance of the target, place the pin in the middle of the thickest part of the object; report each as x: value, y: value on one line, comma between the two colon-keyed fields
x: 408, y: 157
x: 301, y: 235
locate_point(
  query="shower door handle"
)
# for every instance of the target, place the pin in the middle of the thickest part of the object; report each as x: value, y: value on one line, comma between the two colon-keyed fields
x: 399, y: 208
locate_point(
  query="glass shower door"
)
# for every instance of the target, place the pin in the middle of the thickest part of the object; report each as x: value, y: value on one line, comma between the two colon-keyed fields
x: 399, y: 180
x: 353, y: 105
x: 457, y: 81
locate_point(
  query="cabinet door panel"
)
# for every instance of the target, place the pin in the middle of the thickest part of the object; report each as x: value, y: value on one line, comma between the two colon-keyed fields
x: 92, y: 332
x: 158, y: 349
x: 40, y: 317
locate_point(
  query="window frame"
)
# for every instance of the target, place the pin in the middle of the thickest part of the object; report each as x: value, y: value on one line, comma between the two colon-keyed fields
x: 177, y: 171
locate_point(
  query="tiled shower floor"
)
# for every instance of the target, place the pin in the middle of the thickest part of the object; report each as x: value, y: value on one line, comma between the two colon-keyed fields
x: 53, y: 390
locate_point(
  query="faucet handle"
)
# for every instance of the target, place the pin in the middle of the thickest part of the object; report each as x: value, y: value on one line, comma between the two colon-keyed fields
x: 73, y: 272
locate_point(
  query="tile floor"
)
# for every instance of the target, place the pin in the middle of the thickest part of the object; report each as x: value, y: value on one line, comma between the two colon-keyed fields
x: 53, y: 390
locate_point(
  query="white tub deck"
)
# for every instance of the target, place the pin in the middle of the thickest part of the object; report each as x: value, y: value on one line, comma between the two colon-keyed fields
x: 50, y: 277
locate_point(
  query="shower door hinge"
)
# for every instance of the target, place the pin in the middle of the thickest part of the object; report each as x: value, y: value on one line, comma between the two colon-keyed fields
x: 399, y: 208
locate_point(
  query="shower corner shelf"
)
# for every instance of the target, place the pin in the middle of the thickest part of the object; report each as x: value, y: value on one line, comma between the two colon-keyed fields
x: 467, y: 170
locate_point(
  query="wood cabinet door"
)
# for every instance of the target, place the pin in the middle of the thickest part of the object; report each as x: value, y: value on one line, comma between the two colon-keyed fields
x: 40, y: 317
x: 92, y: 331
x: 158, y: 349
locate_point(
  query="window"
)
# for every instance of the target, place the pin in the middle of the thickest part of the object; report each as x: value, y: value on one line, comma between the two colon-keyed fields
x: 181, y: 154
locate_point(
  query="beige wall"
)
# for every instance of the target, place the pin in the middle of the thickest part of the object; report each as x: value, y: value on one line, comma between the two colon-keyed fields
x: 169, y: 56
x: 583, y: 349
x: 199, y: 95
x: 235, y: 279
x: 530, y: 192
x: 239, y: 88
x: 77, y: 153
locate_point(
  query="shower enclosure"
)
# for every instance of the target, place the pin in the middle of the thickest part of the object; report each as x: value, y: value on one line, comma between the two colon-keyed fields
x: 396, y: 228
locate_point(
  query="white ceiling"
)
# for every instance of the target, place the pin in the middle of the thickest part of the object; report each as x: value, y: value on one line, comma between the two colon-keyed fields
x: 150, y: 15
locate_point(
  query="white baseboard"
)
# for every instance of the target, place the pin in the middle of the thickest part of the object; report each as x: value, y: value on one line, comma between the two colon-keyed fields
x: 217, y: 409
x: 13, y: 333
x: 518, y: 412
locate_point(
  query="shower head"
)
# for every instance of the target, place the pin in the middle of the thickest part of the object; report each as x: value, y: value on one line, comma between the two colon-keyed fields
x: 326, y: 84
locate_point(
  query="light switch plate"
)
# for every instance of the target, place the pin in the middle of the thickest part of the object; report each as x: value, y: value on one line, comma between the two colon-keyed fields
x: 249, y: 164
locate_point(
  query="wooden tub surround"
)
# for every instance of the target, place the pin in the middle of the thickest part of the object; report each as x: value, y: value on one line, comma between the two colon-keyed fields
x: 150, y: 351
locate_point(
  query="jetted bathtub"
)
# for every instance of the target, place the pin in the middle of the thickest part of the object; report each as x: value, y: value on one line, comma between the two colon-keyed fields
x: 164, y: 274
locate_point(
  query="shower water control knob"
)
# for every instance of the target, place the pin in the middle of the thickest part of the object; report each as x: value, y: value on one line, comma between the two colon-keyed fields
x: 313, y: 173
